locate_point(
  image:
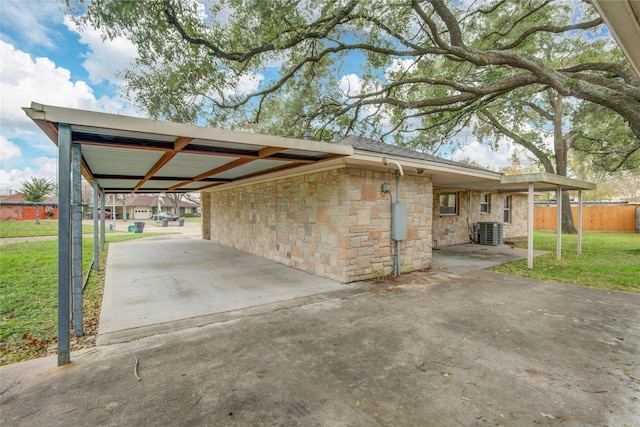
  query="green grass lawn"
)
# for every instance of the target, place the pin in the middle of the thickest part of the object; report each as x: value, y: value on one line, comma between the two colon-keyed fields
x: 29, y: 228
x: 28, y: 296
x: 608, y: 260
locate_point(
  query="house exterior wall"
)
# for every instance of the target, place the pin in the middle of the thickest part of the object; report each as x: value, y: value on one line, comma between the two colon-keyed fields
x: 334, y: 223
x: 23, y: 213
x: 454, y: 229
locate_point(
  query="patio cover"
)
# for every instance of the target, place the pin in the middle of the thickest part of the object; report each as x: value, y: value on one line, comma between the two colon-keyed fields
x: 133, y: 155
x: 119, y: 154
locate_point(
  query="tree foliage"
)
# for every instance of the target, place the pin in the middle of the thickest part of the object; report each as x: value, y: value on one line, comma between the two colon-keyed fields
x: 424, y: 68
x: 36, y: 189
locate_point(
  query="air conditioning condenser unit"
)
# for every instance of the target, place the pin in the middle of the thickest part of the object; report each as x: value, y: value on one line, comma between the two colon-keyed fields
x: 491, y: 233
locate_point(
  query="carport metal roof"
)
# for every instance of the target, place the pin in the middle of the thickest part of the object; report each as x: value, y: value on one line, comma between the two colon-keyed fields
x: 127, y: 154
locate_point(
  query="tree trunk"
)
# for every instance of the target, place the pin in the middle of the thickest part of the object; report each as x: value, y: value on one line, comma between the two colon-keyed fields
x: 560, y: 145
x: 567, y: 216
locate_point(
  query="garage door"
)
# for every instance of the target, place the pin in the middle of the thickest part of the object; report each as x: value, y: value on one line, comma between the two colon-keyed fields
x: 141, y: 213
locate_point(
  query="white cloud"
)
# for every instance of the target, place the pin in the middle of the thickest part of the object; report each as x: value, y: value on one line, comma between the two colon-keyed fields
x: 350, y: 85
x: 243, y: 84
x: 43, y: 167
x: 484, y: 155
x: 31, y: 21
x: 105, y: 58
x: 399, y: 65
x: 8, y: 151
x: 25, y: 80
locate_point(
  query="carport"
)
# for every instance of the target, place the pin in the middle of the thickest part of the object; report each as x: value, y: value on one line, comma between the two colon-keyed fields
x: 118, y: 154
x: 540, y: 182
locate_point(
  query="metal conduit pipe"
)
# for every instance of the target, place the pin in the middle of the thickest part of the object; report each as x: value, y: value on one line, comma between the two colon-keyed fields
x: 396, y: 267
x: 387, y: 161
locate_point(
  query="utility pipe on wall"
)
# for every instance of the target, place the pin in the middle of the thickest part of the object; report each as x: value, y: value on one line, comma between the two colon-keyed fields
x: 396, y: 267
x: 387, y: 161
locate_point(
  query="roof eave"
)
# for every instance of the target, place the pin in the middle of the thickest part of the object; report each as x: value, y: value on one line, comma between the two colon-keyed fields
x: 622, y: 21
x: 427, y: 165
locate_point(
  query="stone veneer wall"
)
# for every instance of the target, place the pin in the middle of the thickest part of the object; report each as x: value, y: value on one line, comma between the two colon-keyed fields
x: 334, y: 223
x: 454, y: 229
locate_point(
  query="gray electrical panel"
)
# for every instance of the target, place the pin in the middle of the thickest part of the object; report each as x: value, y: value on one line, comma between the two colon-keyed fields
x: 398, y: 221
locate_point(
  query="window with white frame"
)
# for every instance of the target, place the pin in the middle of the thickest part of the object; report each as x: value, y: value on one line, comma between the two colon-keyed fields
x: 485, y: 203
x: 506, y: 216
x: 448, y: 203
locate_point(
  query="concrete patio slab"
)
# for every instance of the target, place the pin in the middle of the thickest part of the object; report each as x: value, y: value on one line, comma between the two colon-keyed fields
x: 180, y: 282
x: 467, y: 257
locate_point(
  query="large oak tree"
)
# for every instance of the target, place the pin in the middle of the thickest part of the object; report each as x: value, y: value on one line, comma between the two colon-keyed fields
x: 425, y: 69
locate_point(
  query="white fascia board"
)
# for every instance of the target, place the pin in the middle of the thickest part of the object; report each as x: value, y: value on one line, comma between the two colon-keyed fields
x: 547, y: 179
x: 52, y: 114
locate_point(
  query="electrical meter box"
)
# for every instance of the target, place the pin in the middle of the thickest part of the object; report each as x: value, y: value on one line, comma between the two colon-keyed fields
x: 398, y: 221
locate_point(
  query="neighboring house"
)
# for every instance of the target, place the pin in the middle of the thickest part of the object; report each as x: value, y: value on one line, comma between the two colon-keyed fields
x: 15, y: 207
x: 145, y: 207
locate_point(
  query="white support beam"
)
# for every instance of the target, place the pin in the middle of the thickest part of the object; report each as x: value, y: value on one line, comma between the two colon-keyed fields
x: 96, y: 241
x: 530, y: 228
x: 579, y: 221
x: 102, y: 218
x: 559, y: 225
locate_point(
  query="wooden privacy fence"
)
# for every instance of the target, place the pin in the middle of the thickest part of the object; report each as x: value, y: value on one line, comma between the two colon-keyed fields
x: 594, y: 218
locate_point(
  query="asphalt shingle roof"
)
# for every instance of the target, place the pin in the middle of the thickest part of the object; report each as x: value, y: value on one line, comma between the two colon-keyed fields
x: 373, y: 146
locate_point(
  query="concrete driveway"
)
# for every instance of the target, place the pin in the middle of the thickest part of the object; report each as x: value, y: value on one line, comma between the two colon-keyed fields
x: 167, y: 283
x: 440, y: 348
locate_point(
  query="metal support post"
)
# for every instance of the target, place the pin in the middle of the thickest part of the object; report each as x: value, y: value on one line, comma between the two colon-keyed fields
x: 76, y: 231
x: 530, y: 229
x: 559, y: 226
x: 64, y: 243
x: 113, y: 210
x: 398, y: 266
x: 96, y: 243
x: 579, y: 221
x: 102, y: 219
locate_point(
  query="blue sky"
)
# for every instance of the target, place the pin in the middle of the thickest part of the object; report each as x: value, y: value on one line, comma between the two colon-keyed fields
x: 45, y: 58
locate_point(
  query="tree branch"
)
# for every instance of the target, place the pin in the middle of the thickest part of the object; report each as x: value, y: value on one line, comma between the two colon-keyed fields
x: 540, y: 155
x: 552, y: 29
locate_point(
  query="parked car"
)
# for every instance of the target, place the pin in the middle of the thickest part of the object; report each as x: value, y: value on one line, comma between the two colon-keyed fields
x: 107, y: 215
x: 166, y: 215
